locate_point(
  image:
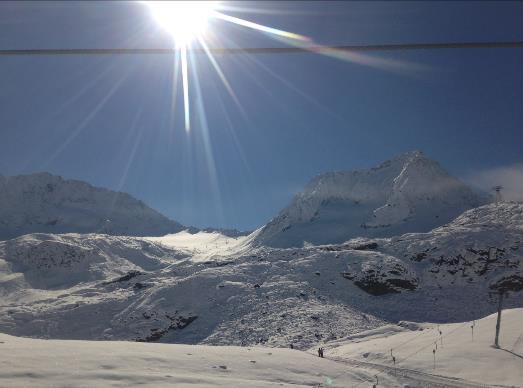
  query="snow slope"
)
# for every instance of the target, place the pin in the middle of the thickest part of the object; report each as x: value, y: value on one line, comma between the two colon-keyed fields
x: 170, y: 289
x: 30, y: 362
x: 409, y: 193
x: 458, y: 353
x: 44, y: 203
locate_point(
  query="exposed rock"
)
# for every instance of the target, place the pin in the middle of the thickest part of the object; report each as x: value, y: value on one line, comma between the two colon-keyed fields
x: 178, y: 323
x: 510, y: 283
x: 381, y: 274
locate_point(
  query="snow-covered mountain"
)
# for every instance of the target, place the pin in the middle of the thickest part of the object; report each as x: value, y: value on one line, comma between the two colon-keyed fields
x: 166, y: 289
x: 409, y: 193
x: 45, y: 203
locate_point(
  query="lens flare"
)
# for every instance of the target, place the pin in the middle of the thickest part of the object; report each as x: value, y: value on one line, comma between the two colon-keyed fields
x: 187, y: 21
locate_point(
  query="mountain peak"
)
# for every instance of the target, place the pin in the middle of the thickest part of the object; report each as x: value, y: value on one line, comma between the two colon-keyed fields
x: 408, y: 193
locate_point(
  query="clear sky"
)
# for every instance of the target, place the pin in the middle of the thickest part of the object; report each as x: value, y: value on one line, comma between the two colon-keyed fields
x: 112, y: 121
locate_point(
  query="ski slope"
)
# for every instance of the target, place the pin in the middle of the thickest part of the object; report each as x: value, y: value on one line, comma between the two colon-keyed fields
x: 458, y: 354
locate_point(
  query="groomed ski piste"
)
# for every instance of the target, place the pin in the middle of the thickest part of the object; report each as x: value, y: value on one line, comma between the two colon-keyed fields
x: 359, y: 361
x: 462, y: 351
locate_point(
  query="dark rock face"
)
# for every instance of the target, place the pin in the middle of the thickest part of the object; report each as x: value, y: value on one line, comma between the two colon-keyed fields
x: 509, y: 283
x: 402, y: 283
x: 382, y: 275
x: 140, y: 286
x: 376, y: 286
x: 177, y: 323
x: 366, y: 246
x: 357, y: 246
x: 127, y: 277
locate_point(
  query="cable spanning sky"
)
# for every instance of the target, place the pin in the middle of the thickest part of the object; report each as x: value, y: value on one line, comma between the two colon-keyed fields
x: 261, y: 125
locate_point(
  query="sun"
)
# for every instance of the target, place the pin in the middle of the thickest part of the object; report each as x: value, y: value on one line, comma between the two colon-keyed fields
x: 184, y: 20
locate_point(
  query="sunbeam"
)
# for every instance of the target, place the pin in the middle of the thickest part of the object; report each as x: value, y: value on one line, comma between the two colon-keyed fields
x: 260, y: 27
x: 72, y: 135
x: 133, y: 130
x: 185, y: 86
x: 174, y: 93
x: 223, y: 78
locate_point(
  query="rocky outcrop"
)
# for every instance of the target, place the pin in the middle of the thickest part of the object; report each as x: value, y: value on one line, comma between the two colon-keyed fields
x: 379, y: 274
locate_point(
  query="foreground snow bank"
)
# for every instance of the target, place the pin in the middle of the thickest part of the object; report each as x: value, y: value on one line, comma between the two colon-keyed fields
x: 458, y: 354
x: 55, y: 363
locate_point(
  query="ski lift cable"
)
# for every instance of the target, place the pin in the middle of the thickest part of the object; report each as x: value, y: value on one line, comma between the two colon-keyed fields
x: 429, y: 345
x: 264, y: 50
x: 412, y: 339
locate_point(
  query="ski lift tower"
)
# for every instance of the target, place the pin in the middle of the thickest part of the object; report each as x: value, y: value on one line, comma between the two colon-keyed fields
x: 498, y: 189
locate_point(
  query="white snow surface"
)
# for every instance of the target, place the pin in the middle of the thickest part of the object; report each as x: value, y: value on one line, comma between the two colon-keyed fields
x: 460, y: 351
x: 409, y: 193
x: 45, y: 203
x: 52, y: 363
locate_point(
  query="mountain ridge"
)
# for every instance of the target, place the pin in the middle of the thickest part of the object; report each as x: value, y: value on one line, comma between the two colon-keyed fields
x: 47, y: 203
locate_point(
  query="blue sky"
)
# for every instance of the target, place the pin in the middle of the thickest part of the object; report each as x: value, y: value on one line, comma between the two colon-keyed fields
x: 111, y: 121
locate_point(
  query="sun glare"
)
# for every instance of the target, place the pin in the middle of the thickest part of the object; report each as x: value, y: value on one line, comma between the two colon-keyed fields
x: 187, y: 21
x: 184, y: 20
